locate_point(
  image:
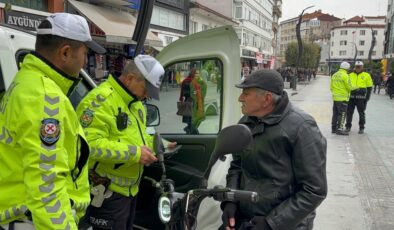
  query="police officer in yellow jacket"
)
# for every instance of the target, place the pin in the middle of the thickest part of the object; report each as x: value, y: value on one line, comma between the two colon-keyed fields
x: 114, y: 120
x: 43, y: 154
x: 359, y: 97
x: 340, y: 87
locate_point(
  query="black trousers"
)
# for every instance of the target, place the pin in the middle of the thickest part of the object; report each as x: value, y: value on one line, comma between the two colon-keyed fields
x: 360, y: 104
x: 376, y: 86
x: 339, y: 110
x: 117, y: 213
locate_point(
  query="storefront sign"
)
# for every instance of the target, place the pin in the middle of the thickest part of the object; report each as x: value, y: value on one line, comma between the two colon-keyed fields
x: 259, y: 57
x: 23, y: 20
x: 248, y: 53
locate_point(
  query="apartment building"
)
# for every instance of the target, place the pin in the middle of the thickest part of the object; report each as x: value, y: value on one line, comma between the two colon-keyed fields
x: 353, y: 39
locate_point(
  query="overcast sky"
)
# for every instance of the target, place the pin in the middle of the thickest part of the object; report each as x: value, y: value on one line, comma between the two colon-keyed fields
x: 339, y: 8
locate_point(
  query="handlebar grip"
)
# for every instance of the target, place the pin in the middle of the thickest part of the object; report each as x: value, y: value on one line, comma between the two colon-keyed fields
x: 239, y: 195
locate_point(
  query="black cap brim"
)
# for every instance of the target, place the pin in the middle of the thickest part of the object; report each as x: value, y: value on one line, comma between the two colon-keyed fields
x: 153, y: 92
x: 244, y: 86
x: 95, y: 47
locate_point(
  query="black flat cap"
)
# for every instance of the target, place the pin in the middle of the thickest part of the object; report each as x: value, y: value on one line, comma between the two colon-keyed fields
x: 266, y: 79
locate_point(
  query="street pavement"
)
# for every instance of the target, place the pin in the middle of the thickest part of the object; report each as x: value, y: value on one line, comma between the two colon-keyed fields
x: 360, y: 168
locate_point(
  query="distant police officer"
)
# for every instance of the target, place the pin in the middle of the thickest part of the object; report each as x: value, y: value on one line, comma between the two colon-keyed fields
x: 340, y: 87
x: 362, y: 82
x: 114, y: 120
x: 43, y: 154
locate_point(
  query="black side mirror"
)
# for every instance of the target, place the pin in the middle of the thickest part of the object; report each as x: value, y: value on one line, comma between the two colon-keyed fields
x: 152, y: 115
x: 231, y: 139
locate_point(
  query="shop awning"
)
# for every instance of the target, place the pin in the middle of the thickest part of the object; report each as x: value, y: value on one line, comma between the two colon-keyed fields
x: 117, y: 25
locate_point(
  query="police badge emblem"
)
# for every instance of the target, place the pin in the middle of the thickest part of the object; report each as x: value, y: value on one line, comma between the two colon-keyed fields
x: 86, y: 118
x: 49, y: 131
x: 141, y: 114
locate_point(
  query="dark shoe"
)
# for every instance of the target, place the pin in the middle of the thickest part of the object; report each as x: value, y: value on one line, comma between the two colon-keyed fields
x: 333, y: 129
x: 361, y: 131
x: 347, y: 130
x: 342, y: 132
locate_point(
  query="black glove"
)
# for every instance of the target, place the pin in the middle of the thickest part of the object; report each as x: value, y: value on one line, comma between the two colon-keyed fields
x: 229, y: 209
x: 260, y: 223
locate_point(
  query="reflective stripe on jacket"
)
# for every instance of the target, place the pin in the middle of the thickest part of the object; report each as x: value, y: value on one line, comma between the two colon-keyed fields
x: 42, y: 167
x: 340, y: 86
x: 117, y: 151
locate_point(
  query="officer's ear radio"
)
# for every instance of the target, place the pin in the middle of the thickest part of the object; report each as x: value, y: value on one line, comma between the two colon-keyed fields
x: 121, y: 120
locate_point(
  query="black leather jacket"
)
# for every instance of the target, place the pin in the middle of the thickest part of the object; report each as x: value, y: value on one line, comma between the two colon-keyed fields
x: 285, y: 164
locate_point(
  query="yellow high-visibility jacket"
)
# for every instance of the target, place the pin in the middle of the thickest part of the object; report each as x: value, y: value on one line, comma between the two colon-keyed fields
x: 43, y: 154
x: 363, y: 82
x: 115, y: 151
x: 340, y: 86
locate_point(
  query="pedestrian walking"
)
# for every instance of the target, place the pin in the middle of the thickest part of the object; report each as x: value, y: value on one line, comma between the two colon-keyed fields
x: 285, y: 164
x: 359, y: 96
x: 43, y: 152
x: 390, y: 86
x: 377, y: 81
x: 114, y: 118
x: 340, y: 87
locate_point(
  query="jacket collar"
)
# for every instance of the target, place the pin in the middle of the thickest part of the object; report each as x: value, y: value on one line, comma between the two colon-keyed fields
x: 65, y: 82
x: 342, y: 71
x: 279, y: 112
x: 123, y: 92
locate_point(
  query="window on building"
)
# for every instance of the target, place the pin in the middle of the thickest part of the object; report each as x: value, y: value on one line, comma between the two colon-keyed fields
x: 374, y: 53
x: 176, y: 3
x: 343, y: 43
x: 375, y: 32
x: 168, y: 39
x: 205, y: 27
x: 362, y: 32
x: 362, y: 43
x: 342, y: 53
x: 41, y: 5
x: 332, y: 43
x: 238, y: 12
x: 343, y: 32
x: 332, y: 34
x: 168, y: 18
x: 193, y: 27
x: 360, y: 53
x: 332, y: 53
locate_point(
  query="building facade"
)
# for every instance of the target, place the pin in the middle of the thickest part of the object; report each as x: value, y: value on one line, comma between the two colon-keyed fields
x: 205, y: 14
x: 170, y: 20
x: 276, y: 14
x: 389, y: 37
x: 315, y: 27
x: 27, y: 14
x: 353, y: 39
x: 255, y: 32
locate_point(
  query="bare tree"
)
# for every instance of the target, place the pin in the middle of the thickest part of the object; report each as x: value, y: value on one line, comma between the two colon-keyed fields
x: 373, y: 43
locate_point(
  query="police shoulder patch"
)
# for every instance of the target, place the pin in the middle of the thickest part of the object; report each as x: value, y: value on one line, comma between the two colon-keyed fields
x: 49, y: 131
x: 86, y: 118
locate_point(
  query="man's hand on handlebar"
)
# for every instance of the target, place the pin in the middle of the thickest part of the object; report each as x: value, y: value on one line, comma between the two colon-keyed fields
x: 228, y: 216
x: 171, y: 145
x: 147, y: 156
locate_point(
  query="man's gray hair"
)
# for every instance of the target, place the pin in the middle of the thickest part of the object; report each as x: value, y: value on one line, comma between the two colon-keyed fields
x: 275, y: 97
x: 131, y: 68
